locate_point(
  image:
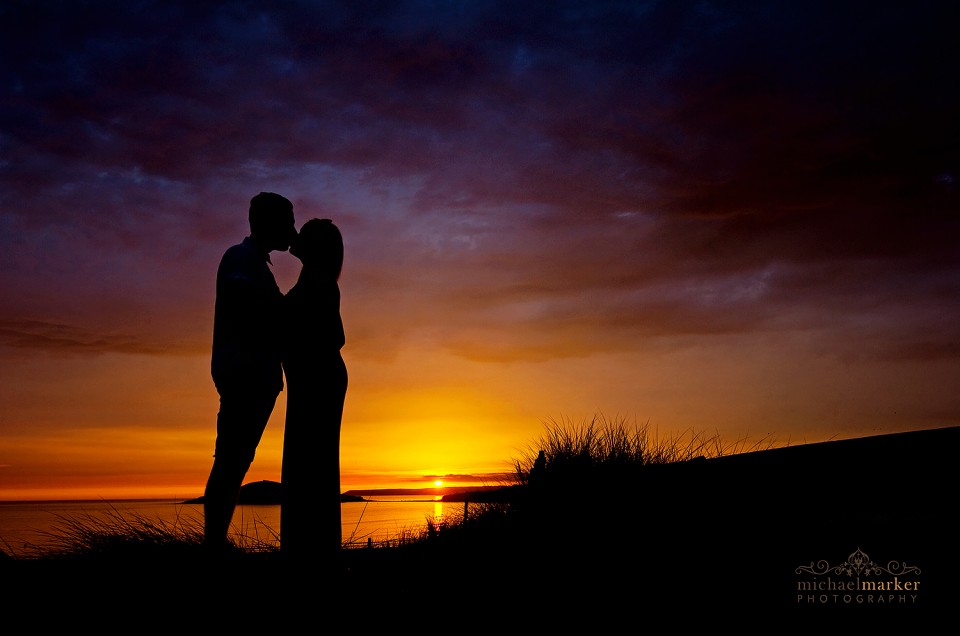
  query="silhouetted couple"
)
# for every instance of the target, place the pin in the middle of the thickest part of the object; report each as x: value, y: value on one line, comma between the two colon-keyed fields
x: 260, y: 335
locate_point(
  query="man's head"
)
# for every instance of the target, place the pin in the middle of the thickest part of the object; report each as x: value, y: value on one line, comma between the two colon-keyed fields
x: 271, y: 221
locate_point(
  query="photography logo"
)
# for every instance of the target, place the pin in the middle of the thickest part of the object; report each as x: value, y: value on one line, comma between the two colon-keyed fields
x: 858, y: 581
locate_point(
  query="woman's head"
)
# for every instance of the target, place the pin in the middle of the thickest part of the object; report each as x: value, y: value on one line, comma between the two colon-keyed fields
x: 320, y: 245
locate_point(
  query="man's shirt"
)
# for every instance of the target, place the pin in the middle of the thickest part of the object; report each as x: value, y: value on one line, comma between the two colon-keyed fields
x: 247, y: 323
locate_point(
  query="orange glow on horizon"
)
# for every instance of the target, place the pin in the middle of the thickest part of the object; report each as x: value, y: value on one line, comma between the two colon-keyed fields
x: 459, y: 425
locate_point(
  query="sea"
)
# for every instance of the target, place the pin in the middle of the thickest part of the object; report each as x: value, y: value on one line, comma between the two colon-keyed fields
x: 27, y: 527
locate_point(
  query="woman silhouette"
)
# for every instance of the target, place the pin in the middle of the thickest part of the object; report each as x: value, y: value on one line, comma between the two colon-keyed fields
x: 310, y: 531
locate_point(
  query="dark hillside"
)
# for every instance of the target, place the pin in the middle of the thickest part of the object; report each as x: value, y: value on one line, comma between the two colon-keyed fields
x: 731, y: 534
x: 775, y: 535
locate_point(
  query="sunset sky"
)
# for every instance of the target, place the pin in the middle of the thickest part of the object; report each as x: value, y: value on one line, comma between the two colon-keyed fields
x: 738, y: 218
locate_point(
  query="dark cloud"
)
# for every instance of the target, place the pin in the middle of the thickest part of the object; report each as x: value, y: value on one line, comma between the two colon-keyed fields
x: 637, y: 168
x: 67, y: 339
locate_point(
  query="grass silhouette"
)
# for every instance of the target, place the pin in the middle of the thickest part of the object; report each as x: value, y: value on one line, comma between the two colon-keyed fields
x: 617, y: 520
x: 579, y: 455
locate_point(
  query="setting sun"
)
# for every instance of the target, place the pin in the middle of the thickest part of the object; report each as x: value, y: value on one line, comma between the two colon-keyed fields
x: 438, y: 483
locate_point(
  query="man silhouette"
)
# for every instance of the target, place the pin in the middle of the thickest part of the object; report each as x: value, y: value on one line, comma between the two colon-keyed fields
x: 246, y: 361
